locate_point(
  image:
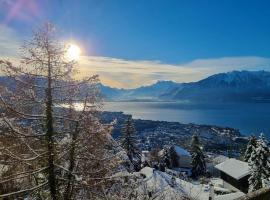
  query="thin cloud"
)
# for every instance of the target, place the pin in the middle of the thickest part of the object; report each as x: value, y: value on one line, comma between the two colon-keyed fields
x: 9, y: 41
x: 23, y: 10
x: 133, y: 73
x: 232, y: 63
x: 123, y: 73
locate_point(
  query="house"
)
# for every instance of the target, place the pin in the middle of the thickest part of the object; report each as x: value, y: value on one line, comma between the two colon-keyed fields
x: 235, y: 174
x: 214, y: 160
x: 184, y: 157
x: 179, y: 156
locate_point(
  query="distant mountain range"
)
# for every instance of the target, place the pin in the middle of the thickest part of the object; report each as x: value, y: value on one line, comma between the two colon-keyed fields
x: 151, y: 92
x: 235, y: 86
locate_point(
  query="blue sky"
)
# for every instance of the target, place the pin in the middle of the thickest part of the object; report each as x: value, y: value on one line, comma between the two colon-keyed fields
x: 164, y: 32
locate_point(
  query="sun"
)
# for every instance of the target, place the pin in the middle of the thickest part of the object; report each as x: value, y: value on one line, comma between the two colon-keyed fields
x: 73, y: 52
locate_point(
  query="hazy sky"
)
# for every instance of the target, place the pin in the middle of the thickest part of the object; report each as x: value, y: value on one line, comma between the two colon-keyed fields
x: 131, y: 43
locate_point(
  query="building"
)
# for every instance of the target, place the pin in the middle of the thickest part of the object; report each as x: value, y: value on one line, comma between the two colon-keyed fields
x: 214, y: 160
x: 235, y: 174
x: 182, y: 157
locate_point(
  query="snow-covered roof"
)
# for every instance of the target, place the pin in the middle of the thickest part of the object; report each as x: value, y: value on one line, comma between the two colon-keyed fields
x: 234, y: 168
x: 220, y: 159
x: 180, y: 151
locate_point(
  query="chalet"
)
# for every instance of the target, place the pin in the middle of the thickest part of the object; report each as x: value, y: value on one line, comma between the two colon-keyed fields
x: 182, y: 157
x: 235, y: 174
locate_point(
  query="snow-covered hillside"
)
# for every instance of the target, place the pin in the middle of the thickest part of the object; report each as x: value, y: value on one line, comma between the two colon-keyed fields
x: 163, y: 186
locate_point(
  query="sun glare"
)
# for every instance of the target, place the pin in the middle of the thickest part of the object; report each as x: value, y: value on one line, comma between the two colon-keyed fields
x: 73, y: 52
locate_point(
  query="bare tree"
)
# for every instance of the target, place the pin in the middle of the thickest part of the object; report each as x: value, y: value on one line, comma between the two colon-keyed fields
x: 49, y: 147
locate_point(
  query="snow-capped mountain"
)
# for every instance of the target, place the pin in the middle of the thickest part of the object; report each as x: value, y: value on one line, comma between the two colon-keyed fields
x: 244, y: 86
x: 151, y: 92
x: 238, y: 79
x: 235, y: 86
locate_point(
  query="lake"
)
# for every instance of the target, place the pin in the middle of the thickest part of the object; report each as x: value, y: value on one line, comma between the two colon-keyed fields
x: 247, y: 117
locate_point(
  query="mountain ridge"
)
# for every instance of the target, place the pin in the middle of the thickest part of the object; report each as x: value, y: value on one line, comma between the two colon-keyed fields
x: 234, y: 86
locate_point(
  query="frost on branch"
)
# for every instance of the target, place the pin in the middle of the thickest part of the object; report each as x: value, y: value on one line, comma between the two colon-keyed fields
x: 259, y: 164
x: 48, y: 148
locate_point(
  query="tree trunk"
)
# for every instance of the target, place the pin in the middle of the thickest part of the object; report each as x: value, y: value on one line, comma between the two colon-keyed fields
x: 68, y: 190
x: 49, y: 136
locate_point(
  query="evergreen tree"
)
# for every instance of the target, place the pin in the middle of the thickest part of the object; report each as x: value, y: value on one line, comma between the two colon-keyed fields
x: 252, y: 144
x: 169, y: 157
x: 129, y: 143
x: 173, y: 157
x: 259, y: 164
x: 166, y: 157
x: 198, y: 158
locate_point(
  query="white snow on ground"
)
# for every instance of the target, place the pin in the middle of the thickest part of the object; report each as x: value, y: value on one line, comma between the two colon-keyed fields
x: 195, y: 191
x: 218, y: 186
x: 230, y: 196
x: 161, y: 187
x: 147, y: 171
x: 235, y: 168
x: 217, y: 182
x: 159, y: 183
x: 221, y: 189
